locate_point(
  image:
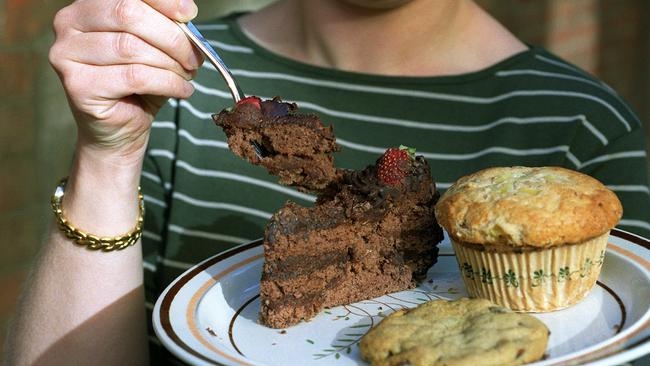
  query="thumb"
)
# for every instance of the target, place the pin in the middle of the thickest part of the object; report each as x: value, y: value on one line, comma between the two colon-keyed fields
x: 180, y: 10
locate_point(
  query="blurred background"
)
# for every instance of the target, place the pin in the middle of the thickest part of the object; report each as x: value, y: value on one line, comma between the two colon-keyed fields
x: 608, y: 38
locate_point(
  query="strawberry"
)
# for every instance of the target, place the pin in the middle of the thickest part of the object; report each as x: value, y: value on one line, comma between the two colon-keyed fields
x: 250, y: 100
x: 395, y: 164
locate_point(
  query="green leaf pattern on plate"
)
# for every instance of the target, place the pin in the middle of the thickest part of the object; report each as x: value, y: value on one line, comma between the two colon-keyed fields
x: 351, y: 335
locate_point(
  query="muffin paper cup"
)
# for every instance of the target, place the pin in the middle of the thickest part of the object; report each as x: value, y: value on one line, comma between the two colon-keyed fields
x: 532, y: 280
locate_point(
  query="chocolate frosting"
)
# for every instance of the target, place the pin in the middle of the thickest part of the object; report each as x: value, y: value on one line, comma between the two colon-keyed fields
x: 277, y: 108
x: 365, y: 183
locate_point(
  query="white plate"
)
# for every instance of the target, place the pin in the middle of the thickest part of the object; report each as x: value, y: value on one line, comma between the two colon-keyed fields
x: 208, y: 315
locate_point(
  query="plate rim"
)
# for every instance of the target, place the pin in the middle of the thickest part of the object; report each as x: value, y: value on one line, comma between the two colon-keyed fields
x: 164, y: 331
x: 162, y: 324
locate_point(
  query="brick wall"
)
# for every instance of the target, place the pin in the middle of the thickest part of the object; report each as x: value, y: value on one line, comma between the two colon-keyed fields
x: 606, y: 38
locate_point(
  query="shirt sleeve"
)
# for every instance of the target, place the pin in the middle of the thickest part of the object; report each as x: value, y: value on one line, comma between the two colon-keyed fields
x: 622, y: 166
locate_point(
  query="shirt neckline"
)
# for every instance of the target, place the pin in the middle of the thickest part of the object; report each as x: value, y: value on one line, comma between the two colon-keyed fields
x: 489, y: 71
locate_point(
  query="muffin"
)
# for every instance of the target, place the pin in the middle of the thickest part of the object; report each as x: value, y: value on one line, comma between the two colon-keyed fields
x: 531, y: 239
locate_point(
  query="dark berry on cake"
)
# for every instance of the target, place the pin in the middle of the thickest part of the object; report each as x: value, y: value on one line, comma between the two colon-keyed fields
x: 297, y: 147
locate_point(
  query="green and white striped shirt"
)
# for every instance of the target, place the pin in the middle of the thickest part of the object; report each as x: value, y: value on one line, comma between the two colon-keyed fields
x: 531, y: 109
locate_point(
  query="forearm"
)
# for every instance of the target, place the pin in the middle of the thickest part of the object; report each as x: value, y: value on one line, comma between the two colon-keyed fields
x: 82, y: 306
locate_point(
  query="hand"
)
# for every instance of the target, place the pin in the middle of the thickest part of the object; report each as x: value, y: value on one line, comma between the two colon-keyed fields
x: 119, y: 61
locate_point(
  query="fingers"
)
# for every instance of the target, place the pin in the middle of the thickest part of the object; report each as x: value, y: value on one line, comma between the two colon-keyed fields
x: 144, y: 80
x: 118, y: 81
x: 140, y: 19
x: 113, y: 48
x: 181, y: 10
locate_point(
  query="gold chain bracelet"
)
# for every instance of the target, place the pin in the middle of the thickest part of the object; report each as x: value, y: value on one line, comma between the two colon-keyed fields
x: 90, y: 241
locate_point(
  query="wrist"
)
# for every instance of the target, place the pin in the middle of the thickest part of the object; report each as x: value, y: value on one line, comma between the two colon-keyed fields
x: 123, y: 156
x: 112, y: 172
x: 101, y: 195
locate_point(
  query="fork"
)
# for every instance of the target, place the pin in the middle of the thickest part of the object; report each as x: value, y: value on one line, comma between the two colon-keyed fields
x: 202, y: 44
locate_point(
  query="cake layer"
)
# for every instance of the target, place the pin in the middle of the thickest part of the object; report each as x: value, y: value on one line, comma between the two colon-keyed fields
x: 311, y: 173
x: 302, y: 264
x: 318, y: 277
x: 333, y: 228
x: 292, y: 266
x: 345, y: 288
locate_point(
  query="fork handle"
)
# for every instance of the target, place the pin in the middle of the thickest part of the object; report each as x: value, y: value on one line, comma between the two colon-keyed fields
x: 202, y: 44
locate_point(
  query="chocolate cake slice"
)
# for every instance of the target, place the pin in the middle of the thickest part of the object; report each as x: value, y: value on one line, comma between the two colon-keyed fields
x: 371, y: 232
x: 295, y: 147
x: 364, y: 238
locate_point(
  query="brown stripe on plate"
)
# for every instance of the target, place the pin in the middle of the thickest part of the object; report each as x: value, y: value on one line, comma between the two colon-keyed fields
x: 632, y: 238
x: 232, y: 322
x: 165, y: 319
x: 620, y: 305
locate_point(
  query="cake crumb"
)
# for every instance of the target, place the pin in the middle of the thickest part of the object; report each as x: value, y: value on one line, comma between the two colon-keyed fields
x: 212, y: 333
x: 283, y: 331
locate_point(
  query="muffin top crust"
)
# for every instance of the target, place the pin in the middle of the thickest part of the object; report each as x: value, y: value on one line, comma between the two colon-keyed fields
x: 523, y: 206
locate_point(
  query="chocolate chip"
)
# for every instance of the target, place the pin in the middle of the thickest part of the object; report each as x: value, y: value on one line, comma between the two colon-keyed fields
x: 520, y: 353
x: 497, y: 310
